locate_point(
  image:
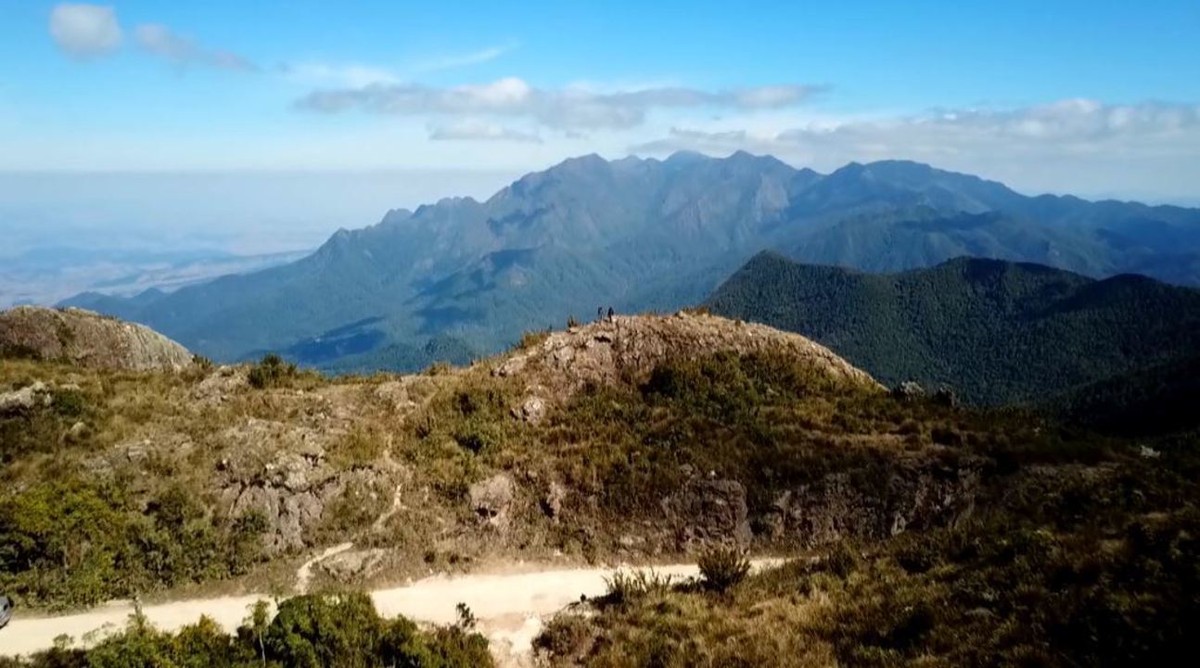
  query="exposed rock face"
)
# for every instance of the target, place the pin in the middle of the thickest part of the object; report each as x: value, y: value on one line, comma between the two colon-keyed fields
x: 25, y: 399
x: 291, y: 513
x: 352, y: 565
x: 532, y: 410
x: 87, y: 339
x: 219, y: 385
x: 295, y: 485
x: 629, y: 348
x: 492, y: 499
x: 552, y: 502
x: 914, y: 497
x: 909, y: 390
x: 706, y: 511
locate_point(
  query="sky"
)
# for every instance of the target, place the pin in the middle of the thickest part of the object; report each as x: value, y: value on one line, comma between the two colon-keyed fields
x: 424, y: 99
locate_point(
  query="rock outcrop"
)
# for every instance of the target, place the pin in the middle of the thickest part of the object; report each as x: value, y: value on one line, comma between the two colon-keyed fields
x: 630, y: 347
x: 24, y: 399
x: 352, y: 565
x: 706, y: 511
x: 492, y: 498
x: 282, y: 474
x: 87, y: 339
x: 914, y: 496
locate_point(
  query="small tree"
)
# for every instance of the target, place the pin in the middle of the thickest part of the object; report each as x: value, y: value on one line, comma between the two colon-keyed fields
x: 723, y: 568
x: 271, y: 371
x: 256, y: 626
x: 466, y: 618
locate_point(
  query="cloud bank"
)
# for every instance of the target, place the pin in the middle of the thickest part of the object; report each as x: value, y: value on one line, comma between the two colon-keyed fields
x: 85, y: 31
x: 1074, y: 127
x: 560, y: 109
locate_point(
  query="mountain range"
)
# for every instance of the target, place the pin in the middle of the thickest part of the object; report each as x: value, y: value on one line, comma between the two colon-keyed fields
x: 461, y: 278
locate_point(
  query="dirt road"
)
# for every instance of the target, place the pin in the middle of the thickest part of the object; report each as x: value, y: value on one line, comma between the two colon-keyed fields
x: 510, y: 608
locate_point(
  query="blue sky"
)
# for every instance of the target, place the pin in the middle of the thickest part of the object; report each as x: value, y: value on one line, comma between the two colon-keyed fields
x: 1098, y: 98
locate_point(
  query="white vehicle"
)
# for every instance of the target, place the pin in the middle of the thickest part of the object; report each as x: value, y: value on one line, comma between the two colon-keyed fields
x: 6, y: 608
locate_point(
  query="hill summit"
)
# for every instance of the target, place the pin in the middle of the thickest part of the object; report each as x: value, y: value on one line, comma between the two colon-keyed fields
x: 629, y: 348
x: 87, y: 339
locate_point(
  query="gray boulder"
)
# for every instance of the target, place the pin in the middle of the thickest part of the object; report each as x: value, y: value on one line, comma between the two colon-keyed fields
x: 491, y: 500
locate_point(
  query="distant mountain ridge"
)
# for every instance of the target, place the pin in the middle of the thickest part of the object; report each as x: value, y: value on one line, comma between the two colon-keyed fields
x: 994, y: 331
x: 641, y: 234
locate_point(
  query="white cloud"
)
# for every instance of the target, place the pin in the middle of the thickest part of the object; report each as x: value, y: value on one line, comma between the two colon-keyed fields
x: 347, y: 75
x: 564, y: 108
x: 357, y: 75
x: 85, y: 31
x: 463, y: 59
x: 182, y: 51
x: 475, y: 130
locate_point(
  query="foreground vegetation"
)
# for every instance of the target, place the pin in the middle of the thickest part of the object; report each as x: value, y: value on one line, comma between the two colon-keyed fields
x: 76, y: 530
x: 307, y: 632
x: 1092, y: 567
x: 951, y: 536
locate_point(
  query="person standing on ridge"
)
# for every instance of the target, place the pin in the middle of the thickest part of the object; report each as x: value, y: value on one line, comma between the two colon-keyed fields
x: 610, y: 314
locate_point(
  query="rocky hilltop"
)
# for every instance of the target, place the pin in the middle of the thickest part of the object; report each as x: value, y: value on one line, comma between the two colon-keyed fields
x: 629, y: 348
x: 87, y: 339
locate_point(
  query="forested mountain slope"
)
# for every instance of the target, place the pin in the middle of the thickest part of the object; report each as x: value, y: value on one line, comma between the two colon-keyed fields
x: 993, y: 331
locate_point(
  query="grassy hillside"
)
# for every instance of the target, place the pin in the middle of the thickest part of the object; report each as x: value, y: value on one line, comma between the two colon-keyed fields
x: 980, y: 537
x: 615, y: 438
x: 995, y: 332
x: 1094, y: 566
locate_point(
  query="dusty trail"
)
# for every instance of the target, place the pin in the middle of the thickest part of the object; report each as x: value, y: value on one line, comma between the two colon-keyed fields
x: 509, y: 607
x: 304, y: 574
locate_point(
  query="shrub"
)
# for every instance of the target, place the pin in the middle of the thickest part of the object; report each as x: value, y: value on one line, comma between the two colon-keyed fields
x: 723, y: 568
x: 534, y: 338
x: 626, y: 587
x: 271, y: 371
x: 308, y: 632
x: 842, y: 560
x: 564, y: 636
